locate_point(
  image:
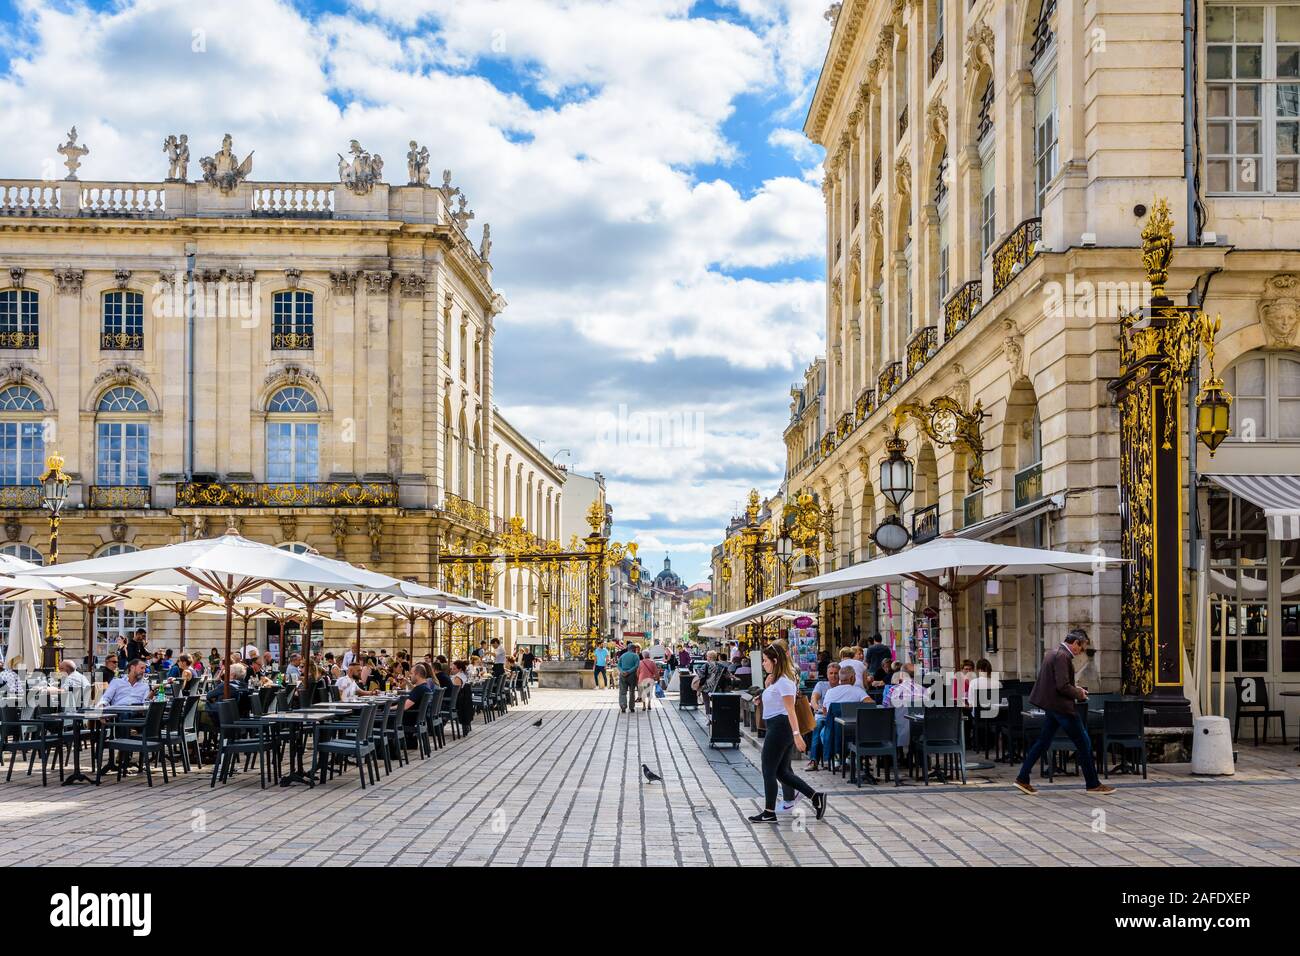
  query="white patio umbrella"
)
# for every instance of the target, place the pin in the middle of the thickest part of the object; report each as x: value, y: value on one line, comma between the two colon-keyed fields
x: 33, y: 584
x: 954, y: 564
x: 230, y: 566
x: 24, y: 651
x: 762, y: 613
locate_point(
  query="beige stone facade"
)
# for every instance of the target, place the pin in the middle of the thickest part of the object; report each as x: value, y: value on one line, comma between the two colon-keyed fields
x: 989, y: 168
x: 333, y: 388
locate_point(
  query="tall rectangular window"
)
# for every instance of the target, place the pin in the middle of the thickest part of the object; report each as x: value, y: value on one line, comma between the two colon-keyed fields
x: 123, y: 321
x: 1045, y: 138
x: 18, y: 319
x: 988, y: 206
x: 122, y: 453
x: 292, y: 320
x: 22, y: 452
x: 1252, y: 75
x: 292, y: 451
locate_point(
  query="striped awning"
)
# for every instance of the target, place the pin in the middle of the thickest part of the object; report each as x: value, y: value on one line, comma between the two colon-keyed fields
x: 1277, y: 495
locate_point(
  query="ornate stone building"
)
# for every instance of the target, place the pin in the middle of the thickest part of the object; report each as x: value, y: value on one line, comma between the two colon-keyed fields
x: 309, y: 363
x: 989, y: 167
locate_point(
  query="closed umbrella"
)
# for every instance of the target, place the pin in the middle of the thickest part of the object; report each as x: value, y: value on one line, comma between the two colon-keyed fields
x: 24, y: 651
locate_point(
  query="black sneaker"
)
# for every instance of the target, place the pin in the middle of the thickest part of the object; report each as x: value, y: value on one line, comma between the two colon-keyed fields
x: 767, y: 816
x: 819, y: 804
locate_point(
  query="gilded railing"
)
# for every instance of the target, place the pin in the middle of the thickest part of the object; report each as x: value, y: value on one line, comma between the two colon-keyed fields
x: 866, y: 403
x: 889, y: 380
x: 959, y: 308
x: 121, y: 496
x: 17, y: 339
x: 844, y: 425
x: 1015, y: 252
x: 20, y: 496
x: 291, y: 340
x: 121, y: 341
x: 467, y: 512
x: 920, y: 347
x: 305, y: 494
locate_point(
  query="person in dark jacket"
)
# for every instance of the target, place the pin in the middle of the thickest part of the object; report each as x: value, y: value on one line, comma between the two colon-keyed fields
x: 1059, y: 696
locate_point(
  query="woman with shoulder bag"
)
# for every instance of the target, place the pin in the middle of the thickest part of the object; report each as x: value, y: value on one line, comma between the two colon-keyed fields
x: 782, y: 737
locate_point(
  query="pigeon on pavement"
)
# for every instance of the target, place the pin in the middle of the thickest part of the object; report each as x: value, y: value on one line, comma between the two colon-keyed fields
x: 650, y: 774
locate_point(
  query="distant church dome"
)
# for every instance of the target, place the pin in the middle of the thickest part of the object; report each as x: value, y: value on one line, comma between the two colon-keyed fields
x: 667, y: 579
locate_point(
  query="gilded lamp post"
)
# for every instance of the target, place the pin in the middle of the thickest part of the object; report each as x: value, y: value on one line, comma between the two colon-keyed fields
x: 54, y: 492
x: 1159, y: 347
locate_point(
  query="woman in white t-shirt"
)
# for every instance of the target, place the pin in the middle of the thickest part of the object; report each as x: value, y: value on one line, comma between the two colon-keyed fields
x: 782, y: 736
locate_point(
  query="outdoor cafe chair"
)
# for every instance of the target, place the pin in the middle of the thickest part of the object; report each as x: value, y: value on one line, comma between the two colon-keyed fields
x: 941, y: 735
x: 251, y: 738
x: 146, y: 746
x: 433, y: 737
x: 358, y: 745
x: 1256, y: 709
x: 187, y: 734
x: 874, y: 736
x: 173, y: 737
x: 841, y: 736
x: 15, y: 739
x: 449, y: 710
x: 389, y: 736
x: 1123, y: 726
x: 1009, y: 728
x: 418, y: 727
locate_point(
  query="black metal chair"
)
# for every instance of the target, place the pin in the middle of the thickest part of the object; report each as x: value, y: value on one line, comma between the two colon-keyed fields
x: 30, y: 737
x: 250, y: 738
x: 173, y: 731
x: 1252, y: 702
x: 1062, y: 744
x: 415, y: 723
x: 148, y: 744
x: 874, y: 736
x: 847, y: 734
x: 356, y: 745
x: 1009, y: 729
x: 941, y: 735
x: 433, y: 722
x: 1123, y: 726
x: 449, y: 712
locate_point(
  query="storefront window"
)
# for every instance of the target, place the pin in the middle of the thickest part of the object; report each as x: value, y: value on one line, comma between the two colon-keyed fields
x: 1238, y: 586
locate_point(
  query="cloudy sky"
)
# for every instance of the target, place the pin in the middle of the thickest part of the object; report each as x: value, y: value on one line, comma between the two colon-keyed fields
x: 656, y: 216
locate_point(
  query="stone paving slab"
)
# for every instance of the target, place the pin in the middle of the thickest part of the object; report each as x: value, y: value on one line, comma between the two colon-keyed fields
x: 571, y: 793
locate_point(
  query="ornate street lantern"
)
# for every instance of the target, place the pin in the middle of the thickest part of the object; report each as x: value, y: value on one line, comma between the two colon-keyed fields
x: 891, y: 536
x: 1212, y: 407
x: 54, y: 484
x: 896, y: 472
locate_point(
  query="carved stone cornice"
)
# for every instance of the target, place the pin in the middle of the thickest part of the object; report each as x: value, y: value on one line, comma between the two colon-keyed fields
x: 847, y: 25
x: 290, y: 375
x: 69, y: 281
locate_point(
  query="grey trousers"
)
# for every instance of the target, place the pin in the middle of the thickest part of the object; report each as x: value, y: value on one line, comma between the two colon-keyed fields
x: 626, y: 690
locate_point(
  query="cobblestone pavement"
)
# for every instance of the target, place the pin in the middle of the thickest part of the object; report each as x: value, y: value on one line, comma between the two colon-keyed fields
x: 571, y: 793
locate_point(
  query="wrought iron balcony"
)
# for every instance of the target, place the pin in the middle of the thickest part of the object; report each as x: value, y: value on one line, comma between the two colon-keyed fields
x: 19, y: 339
x: 844, y: 425
x: 291, y: 340
x: 303, y: 494
x: 889, y: 380
x: 920, y: 348
x: 1015, y: 252
x: 466, y: 512
x: 121, y: 496
x: 902, y: 122
x: 959, y: 308
x: 936, y: 58
x: 20, y: 496
x: 121, y: 341
x: 866, y: 404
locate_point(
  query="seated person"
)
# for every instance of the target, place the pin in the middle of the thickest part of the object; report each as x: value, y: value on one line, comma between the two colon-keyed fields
x: 819, y: 709
x: 984, y: 690
x: 846, y: 691
x: 421, y: 686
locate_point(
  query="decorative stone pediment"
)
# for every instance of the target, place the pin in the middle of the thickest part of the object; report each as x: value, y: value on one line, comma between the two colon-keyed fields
x: 290, y: 375
x: 120, y: 374
x: 16, y: 374
x: 1279, y: 310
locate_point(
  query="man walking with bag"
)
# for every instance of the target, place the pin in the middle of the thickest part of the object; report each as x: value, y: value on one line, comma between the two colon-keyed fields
x: 1059, y: 696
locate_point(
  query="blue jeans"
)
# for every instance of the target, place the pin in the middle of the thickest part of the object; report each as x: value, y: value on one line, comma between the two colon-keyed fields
x: 818, y: 743
x: 598, y: 676
x: 1078, y: 734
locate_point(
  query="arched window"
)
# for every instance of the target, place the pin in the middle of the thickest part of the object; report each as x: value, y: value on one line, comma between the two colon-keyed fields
x: 292, y: 437
x: 1042, y: 63
x: 292, y: 320
x: 19, y: 319
x: 22, y: 436
x: 1265, y: 390
x: 984, y: 141
x: 112, y: 624
x: 23, y: 552
x: 123, y: 321
x: 121, y: 438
